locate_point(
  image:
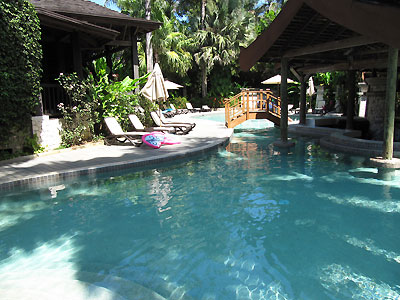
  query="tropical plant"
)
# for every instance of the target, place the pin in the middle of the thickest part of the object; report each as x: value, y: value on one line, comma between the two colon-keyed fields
x: 116, y: 98
x: 171, y: 46
x: 227, y: 27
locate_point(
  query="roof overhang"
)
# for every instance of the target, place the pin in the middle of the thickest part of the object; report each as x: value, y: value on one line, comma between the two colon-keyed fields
x: 141, y: 25
x: 327, y: 35
x: 55, y: 20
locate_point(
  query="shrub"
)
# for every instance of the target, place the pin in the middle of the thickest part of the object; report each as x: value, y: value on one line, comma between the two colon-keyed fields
x: 78, y: 120
x: 20, y: 65
x: 93, y: 100
x: 178, y: 101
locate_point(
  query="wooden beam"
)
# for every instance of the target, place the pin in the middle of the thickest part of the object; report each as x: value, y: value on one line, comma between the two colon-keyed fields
x: 355, y: 65
x: 103, y: 54
x: 119, y: 43
x: 296, y: 74
x: 330, y: 46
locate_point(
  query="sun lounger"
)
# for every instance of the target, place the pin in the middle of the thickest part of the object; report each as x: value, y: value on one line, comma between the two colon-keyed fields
x: 165, y: 121
x: 119, y: 136
x: 190, y: 107
x: 138, y: 125
x: 178, y: 111
x: 169, y: 113
x: 180, y: 128
x: 205, y: 108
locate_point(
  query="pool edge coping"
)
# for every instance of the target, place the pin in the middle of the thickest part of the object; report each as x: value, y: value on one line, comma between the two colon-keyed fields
x: 54, y: 176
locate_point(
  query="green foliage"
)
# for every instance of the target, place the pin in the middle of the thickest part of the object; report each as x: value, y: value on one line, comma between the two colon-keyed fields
x: 94, y: 99
x: 178, y: 101
x: 32, y: 145
x: 265, y: 21
x: 331, y: 80
x: 116, y: 98
x: 148, y: 106
x: 187, y: 47
x: 20, y: 64
x: 78, y: 121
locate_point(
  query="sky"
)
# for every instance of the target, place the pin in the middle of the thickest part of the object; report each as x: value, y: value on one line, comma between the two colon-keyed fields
x: 101, y: 2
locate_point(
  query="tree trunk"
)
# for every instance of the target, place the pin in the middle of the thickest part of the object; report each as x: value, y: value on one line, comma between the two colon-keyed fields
x: 203, y: 13
x: 203, y: 65
x: 149, y: 46
x: 203, y: 80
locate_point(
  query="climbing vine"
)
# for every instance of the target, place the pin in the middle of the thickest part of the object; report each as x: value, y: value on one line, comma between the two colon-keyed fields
x: 20, y: 65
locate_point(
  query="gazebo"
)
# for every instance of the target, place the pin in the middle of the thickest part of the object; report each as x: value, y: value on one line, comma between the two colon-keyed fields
x: 312, y: 36
x: 75, y: 32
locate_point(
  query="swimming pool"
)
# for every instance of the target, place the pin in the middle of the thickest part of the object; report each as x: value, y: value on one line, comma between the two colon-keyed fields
x: 245, y: 222
x: 248, y: 125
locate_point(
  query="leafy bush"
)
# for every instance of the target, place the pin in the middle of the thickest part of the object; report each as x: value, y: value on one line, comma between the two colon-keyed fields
x: 148, y: 106
x: 79, y: 120
x: 116, y: 98
x: 178, y: 101
x: 32, y: 145
x: 20, y: 65
x: 94, y: 99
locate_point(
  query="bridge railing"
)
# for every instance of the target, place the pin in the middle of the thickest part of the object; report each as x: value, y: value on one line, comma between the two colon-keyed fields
x: 250, y: 100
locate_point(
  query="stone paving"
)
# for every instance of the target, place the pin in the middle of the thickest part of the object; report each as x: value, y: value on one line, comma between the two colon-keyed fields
x: 53, y: 167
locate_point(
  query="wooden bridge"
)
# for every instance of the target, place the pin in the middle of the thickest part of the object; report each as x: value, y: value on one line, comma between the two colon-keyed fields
x: 252, y: 104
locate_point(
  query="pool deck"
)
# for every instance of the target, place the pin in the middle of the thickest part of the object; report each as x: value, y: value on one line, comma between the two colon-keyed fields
x: 54, y: 166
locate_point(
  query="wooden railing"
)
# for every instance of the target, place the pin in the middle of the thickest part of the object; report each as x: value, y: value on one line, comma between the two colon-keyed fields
x: 52, y: 95
x: 248, y: 102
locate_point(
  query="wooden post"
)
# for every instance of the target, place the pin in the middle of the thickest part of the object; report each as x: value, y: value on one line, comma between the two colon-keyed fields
x: 227, y: 118
x: 77, y: 54
x: 284, y: 100
x: 391, y: 81
x: 247, y: 105
x: 351, y: 80
x: 303, y: 99
x: 109, y: 62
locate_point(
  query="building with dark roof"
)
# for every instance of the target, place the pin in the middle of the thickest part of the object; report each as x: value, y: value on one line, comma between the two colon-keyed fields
x: 75, y: 32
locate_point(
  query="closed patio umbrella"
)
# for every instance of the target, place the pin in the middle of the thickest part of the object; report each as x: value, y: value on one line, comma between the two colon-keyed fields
x: 155, y: 89
x: 311, y: 89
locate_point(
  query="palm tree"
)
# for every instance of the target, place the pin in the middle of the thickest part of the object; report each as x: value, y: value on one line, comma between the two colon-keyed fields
x: 169, y: 44
x: 227, y: 26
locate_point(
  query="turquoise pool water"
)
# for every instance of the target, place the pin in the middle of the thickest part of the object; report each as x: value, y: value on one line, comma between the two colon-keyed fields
x: 248, y: 125
x: 246, y: 222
